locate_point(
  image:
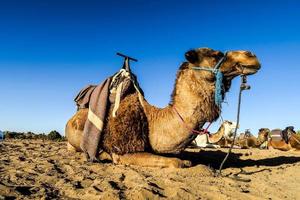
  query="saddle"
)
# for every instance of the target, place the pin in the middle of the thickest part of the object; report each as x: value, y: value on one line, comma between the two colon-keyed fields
x: 98, y: 99
x: 277, y: 135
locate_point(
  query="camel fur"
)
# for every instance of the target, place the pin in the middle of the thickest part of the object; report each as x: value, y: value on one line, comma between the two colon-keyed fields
x: 141, y: 133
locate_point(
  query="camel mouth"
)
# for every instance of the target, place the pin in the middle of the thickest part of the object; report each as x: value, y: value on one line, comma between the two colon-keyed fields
x: 249, y: 69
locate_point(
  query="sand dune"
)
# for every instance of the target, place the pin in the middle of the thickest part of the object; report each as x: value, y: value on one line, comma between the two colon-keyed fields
x: 33, y: 169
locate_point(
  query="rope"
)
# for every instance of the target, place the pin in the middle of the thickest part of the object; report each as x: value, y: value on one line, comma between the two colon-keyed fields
x: 219, y: 88
x: 237, y: 125
x: 219, y: 96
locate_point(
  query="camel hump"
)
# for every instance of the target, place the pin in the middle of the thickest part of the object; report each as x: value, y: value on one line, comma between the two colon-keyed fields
x: 78, y: 120
x: 128, y: 131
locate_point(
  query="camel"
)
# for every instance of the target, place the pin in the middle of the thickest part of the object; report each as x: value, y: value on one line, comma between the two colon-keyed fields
x: 289, y: 140
x: 247, y: 140
x: 227, y: 139
x: 142, y: 134
x: 211, y: 141
x: 263, y: 136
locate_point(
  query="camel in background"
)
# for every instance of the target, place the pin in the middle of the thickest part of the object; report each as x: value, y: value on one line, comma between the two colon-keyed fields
x: 227, y: 139
x: 212, y: 140
x: 141, y: 133
x: 247, y: 140
x: 284, y: 140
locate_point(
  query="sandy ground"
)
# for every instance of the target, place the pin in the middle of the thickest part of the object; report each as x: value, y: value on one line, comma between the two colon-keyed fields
x: 32, y: 169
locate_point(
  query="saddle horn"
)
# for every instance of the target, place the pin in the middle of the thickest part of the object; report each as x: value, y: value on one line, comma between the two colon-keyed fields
x: 126, y: 64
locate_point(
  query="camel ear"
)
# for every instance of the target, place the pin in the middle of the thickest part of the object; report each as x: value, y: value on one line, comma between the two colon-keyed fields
x: 191, y: 56
x: 218, y: 54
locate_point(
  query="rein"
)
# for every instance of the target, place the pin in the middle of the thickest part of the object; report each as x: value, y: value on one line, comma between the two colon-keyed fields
x: 243, y: 87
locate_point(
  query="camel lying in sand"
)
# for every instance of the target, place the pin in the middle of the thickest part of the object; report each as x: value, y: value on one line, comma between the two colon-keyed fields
x: 212, y: 141
x: 227, y: 139
x: 247, y: 140
x: 289, y: 140
x: 142, y: 133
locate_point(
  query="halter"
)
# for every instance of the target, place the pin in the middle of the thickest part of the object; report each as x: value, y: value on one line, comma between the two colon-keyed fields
x: 219, y: 79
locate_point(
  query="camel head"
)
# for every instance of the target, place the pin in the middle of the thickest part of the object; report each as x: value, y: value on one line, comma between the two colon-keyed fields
x: 235, y: 63
x: 229, y: 128
x: 198, y: 80
x: 291, y: 130
x: 287, y: 132
x: 239, y: 63
x: 263, y: 134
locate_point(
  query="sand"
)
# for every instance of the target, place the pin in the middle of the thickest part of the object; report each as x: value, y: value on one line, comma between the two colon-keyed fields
x: 33, y: 169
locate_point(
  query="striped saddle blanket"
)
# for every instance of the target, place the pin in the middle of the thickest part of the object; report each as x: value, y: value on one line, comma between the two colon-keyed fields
x: 276, y: 135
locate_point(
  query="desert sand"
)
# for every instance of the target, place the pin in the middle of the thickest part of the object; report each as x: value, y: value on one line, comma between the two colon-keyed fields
x: 33, y: 169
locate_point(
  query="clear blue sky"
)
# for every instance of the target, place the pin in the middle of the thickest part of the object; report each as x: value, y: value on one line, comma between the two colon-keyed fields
x: 49, y: 50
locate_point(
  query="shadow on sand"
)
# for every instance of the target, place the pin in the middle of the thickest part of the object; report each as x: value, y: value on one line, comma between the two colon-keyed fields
x: 214, y: 159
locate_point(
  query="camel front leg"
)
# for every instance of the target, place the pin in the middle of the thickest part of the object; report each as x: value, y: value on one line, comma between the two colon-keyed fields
x: 149, y: 160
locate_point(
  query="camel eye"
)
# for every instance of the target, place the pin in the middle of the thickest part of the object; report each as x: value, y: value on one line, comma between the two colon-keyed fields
x: 250, y: 54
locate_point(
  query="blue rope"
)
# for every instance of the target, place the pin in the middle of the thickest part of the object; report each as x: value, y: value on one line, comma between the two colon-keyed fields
x: 218, y: 88
x: 219, y: 80
x: 218, y: 84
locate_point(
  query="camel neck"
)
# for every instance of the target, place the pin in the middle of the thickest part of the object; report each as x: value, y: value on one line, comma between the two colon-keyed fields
x: 195, y: 107
x: 194, y: 101
x: 215, y: 137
